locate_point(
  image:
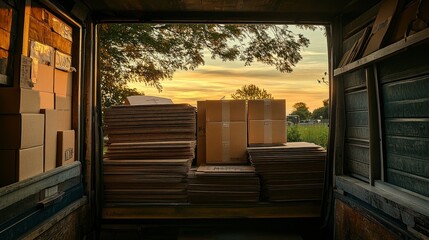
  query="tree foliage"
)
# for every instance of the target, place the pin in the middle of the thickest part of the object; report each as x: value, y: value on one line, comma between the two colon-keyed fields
x: 322, y: 112
x: 251, y: 92
x: 301, y: 110
x: 115, y: 93
x: 150, y: 53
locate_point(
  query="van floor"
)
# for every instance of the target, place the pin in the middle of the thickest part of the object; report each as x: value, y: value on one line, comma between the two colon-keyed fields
x: 213, y: 229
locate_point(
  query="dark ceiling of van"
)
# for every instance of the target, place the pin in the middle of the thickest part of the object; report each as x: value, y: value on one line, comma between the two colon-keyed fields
x: 314, y: 11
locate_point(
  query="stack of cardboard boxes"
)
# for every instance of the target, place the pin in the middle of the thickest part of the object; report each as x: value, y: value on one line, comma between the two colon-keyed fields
x: 227, y: 127
x: 35, y: 118
x: 21, y: 138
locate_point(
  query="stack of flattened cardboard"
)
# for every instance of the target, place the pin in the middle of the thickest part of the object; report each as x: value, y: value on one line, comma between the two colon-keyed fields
x: 223, y: 184
x: 150, y: 123
x: 292, y: 172
x: 150, y: 151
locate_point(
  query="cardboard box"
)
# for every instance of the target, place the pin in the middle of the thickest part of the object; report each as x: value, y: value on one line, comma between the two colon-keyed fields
x: 17, y: 165
x: 225, y: 110
x: 201, y: 132
x: 21, y: 130
x: 50, y: 143
x: 19, y: 100
x: 266, y: 132
x: 268, y: 109
x: 47, y: 100
x: 65, y: 147
x: 63, y: 83
x: 64, y: 120
x: 44, y: 79
x: 63, y: 102
x: 226, y: 142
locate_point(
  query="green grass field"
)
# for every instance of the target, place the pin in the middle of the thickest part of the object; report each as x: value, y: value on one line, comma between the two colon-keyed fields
x: 317, y: 133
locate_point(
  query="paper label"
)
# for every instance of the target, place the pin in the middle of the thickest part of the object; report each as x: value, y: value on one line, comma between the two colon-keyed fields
x: 62, y: 61
x: 25, y: 72
x: 43, y: 53
x: 63, y: 29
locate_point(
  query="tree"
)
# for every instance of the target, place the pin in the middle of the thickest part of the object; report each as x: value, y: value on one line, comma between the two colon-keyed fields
x: 150, y: 53
x: 322, y: 112
x: 115, y: 93
x: 250, y: 92
x: 301, y: 109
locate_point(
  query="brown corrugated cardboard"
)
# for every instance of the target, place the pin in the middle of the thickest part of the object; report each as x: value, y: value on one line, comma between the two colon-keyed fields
x: 225, y: 110
x: 266, y: 132
x: 50, y: 144
x: 226, y: 142
x: 17, y: 165
x: 63, y: 102
x: 63, y: 83
x: 19, y: 100
x: 21, y: 130
x: 268, y: 109
x: 64, y: 121
x: 47, y: 100
x: 44, y: 79
x: 65, y: 147
x: 201, y: 132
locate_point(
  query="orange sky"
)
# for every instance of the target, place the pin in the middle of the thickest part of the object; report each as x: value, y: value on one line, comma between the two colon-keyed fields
x: 217, y: 79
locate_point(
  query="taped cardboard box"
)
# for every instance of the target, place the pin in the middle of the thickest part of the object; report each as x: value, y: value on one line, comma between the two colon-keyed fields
x: 65, y: 147
x: 47, y: 100
x: 63, y: 83
x: 201, y: 132
x: 19, y: 100
x: 44, y: 79
x: 266, y: 132
x: 64, y: 120
x: 50, y: 140
x: 63, y: 102
x: 21, y: 130
x: 21, y: 164
x: 268, y: 109
x: 226, y: 142
x: 225, y: 110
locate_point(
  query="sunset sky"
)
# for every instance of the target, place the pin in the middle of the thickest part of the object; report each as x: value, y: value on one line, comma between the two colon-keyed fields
x: 217, y: 79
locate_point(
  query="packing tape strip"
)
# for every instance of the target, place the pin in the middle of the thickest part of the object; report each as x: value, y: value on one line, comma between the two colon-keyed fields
x: 226, y: 142
x: 267, y: 109
x: 268, y: 132
x: 225, y: 111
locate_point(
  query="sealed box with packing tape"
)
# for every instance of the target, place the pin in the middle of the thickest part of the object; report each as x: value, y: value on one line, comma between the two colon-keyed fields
x: 226, y: 132
x: 266, y: 122
x: 226, y: 142
x: 267, y: 109
x: 271, y: 132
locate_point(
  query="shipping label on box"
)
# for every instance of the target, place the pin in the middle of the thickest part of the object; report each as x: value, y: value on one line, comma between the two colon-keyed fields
x: 225, y: 110
x: 20, y: 164
x: 65, y: 147
x: 63, y: 83
x: 50, y: 143
x: 267, y: 109
x: 21, y: 130
x: 226, y: 142
x: 19, y: 100
x: 47, y: 100
x: 267, y: 132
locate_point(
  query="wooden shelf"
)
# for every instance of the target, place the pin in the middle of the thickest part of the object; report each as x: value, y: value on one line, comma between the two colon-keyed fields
x: 383, y: 53
x: 302, y: 209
